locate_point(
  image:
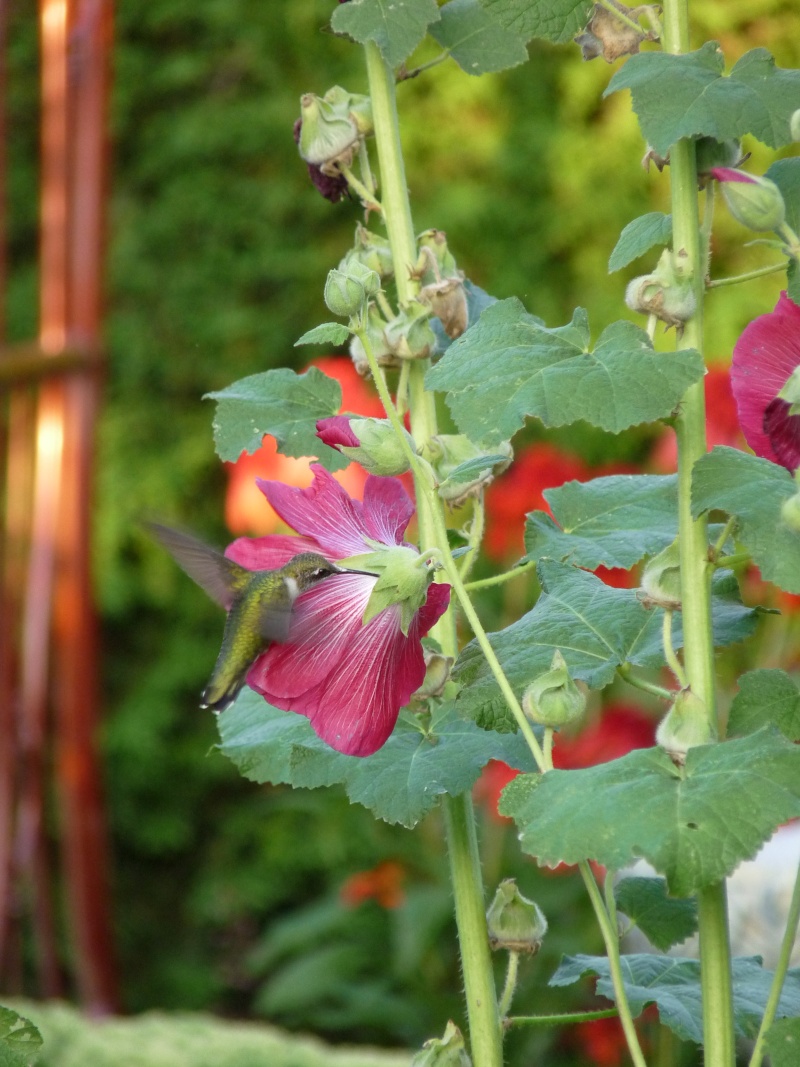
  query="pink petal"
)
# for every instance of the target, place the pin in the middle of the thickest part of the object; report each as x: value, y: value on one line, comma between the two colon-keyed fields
x: 349, y: 680
x: 783, y: 429
x: 324, y: 512
x: 728, y: 174
x: 764, y: 357
x: 267, y: 553
x: 387, y: 509
x: 335, y: 431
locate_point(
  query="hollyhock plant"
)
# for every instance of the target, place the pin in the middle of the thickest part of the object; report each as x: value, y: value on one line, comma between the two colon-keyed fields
x: 350, y: 664
x: 764, y: 376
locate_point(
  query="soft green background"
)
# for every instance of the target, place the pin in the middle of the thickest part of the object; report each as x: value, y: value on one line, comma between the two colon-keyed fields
x: 226, y: 895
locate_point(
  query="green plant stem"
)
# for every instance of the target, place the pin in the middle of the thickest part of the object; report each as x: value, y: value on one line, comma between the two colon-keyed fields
x: 762, y: 272
x: 670, y: 655
x: 607, y: 923
x: 781, y: 968
x: 498, y: 579
x: 568, y: 1018
x: 476, y: 529
x: 510, y: 985
x: 715, y: 961
x: 733, y: 560
x: 484, y: 1020
x: 465, y: 872
x: 367, y: 198
x: 548, y: 747
x: 719, y: 544
x: 625, y: 672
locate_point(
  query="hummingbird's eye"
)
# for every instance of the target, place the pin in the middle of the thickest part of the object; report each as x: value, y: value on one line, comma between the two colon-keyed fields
x: 322, y: 572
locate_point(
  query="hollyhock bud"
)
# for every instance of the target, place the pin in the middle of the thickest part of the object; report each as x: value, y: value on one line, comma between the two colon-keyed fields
x: 347, y: 291
x: 409, y: 334
x: 554, y: 699
x: 446, y: 452
x: 445, y: 1051
x: 686, y: 725
x: 372, y: 250
x: 327, y: 134
x: 376, y: 334
x: 354, y: 105
x: 437, y: 673
x: 664, y: 293
x: 661, y: 578
x: 514, y: 922
x: 754, y: 201
x: 371, y: 442
x: 436, y: 260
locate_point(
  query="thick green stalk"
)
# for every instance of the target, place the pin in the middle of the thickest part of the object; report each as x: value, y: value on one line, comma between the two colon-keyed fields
x: 465, y: 871
x: 715, y: 964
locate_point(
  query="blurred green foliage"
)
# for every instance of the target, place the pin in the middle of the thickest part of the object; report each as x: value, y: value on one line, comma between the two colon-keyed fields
x: 228, y: 896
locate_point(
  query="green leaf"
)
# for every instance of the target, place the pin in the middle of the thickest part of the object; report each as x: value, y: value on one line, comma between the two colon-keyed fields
x: 673, y: 985
x: 596, y: 627
x: 281, y: 403
x: 610, y: 522
x: 554, y: 20
x: 471, y: 469
x: 400, y: 783
x: 665, y: 921
x: 20, y: 1041
x: 477, y: 42
x: 687, y: 95
x: 766, y: 696
x: 396, y: 26
x: 694, y: 825
x: 509, y: 366
x: 786, y: 175
x: 783, y: 1043
x: 752, y: 489
x: 639, y: 237
x: 327, y: 333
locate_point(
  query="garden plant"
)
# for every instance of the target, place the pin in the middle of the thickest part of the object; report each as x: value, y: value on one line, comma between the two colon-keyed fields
x: 390, y: 684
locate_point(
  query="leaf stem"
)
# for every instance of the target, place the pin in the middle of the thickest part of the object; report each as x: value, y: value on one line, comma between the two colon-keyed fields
x: 782, y: 966
x: 761, y: 272
x: 506, y: 576
x: 625, y: 671
x: 568, y: 1018
x: 719, y: 544
x: 476, y: 530
x: 669, y: 651
x: 607, y: 923
x: 405, y: 75
x: 733, y: 560
x: 621, y: 16
x: 510, y: 984
x: 367, y: 198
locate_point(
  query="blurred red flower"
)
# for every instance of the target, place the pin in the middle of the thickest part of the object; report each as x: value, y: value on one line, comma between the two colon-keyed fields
x: 245, y: 509
x: 602, y: 1041
x: 383, y: 884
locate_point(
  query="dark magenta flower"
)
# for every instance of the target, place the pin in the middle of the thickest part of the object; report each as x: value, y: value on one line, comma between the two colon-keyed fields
x: 348, y: 677
x: 332, y: 187
x: 764, y: 374
x: 371, y: 442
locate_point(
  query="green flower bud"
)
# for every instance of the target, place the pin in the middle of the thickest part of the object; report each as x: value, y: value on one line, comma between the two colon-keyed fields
x: 790, y: 513
x: 436, y: 260
x: 686, y: 725
x: 376, y: 332
x: 437, y: 673
x: 445, y: 1051
x: 514, y: 922
x: 448, y: 452
x: 664, y: 293
x: 373, y: 251
x: 409, y: 334
x: 554, y: 699
x: 379, y: 449
x: 661, y: 578
x: 356, y: 107
x: 346, y: 291
x: 753, y: 200
x: 327, y: 135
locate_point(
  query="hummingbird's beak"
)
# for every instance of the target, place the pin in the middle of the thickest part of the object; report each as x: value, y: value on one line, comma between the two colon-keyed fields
x: 352, y: 570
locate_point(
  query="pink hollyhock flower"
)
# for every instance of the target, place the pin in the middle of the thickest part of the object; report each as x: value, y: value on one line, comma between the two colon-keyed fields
x: 348, y: 677
x: 764, y: 376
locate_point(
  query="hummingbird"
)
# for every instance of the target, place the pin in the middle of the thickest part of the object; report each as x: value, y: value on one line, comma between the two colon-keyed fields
x: 259, y: 604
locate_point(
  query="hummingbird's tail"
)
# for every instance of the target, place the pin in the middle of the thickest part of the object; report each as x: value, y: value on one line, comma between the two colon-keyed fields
x: 219, y: 694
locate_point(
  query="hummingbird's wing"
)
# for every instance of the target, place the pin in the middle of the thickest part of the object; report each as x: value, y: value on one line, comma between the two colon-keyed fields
x: 220, y: 577
x: 275, y: 621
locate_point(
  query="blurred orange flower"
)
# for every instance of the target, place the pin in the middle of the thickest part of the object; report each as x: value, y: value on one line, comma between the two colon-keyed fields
x: 246, y: 508
x: 383, y: 884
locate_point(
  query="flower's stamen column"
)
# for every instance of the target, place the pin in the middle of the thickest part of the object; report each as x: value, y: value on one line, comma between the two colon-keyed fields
x: 715, y: 963
x: 465, y: 870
